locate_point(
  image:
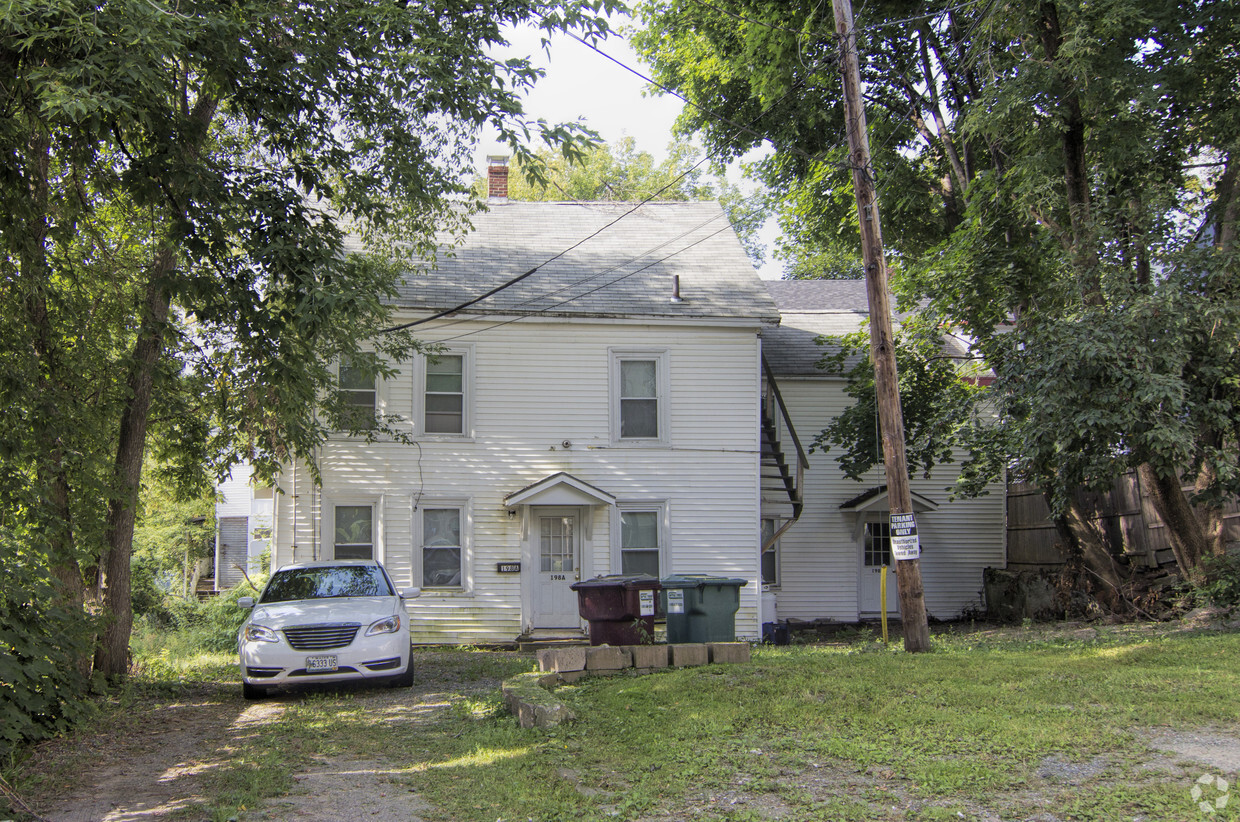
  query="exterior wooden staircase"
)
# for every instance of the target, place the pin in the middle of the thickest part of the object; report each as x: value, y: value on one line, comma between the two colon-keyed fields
x: 778, y: 472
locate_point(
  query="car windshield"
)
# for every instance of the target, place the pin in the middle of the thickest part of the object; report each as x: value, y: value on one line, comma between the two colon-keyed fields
x: 325, y: 583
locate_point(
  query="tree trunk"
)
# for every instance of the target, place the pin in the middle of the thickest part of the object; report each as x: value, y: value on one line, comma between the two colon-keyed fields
x: 1076, y: 164
x: 1184, y: 530
x: 1088, y: 540
x: 112, y: 652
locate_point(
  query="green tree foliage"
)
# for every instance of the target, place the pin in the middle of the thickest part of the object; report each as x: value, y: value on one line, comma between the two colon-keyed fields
x: 175, y: 528
x: 1058, y: 182
x: 176, y: 185
x: 621, y: 172
x: 616, y: 171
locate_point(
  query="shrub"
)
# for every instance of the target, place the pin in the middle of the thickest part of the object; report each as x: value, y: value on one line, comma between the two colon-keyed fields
x: 1221, y: 585
x: 43, y: 640
x: 210, y: 625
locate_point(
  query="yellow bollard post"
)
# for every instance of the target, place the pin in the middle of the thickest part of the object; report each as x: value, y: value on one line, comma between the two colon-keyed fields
x: 882, y: 599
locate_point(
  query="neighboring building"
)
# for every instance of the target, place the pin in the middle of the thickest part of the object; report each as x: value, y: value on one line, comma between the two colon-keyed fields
x: 243, y: 516
x: 603, y: 415
x: 829, y: 564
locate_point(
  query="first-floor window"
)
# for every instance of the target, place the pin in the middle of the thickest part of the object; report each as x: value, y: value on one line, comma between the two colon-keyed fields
x: 639, y: 542
x: 441, y: 547
x: 770, y: 551
x: 354, y: 532
x: 877, y: 544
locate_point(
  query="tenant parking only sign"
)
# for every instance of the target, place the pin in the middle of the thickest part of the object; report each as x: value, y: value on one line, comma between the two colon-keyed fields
x: 904, y: 544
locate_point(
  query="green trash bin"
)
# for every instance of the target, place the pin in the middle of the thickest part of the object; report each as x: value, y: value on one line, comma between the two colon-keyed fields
x: 701, y: 608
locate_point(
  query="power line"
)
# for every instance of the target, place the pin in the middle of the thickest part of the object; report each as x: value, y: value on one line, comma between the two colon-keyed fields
x: 709, y: 113
x: 509, y: 283
x: 651, y: 264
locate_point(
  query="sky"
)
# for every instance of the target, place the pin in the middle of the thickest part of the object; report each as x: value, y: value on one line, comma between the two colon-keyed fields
x: 581, y: 84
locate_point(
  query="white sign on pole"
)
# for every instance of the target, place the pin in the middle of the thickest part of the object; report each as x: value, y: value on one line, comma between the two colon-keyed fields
x: 904, y: 542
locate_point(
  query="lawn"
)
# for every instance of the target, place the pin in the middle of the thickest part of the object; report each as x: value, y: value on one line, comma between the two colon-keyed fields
x: 1011, y: 724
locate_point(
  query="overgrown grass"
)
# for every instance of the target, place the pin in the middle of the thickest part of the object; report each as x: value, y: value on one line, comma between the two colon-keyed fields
x: 959, y: 730
x: 850, y: 731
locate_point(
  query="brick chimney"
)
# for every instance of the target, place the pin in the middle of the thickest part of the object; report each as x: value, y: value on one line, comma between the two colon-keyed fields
x: 497, y: 178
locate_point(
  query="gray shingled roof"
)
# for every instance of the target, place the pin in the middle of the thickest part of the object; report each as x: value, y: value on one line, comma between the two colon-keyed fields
x: 809, y: 309
x: 625, y: 271
x: 800, y: 296
x: 813, y: 308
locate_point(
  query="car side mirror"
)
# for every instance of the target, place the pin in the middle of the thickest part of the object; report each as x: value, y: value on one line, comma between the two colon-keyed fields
x: 410, y: 593
x: 245, y: 602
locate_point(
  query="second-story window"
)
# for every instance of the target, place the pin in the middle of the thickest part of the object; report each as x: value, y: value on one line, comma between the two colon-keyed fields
x: 639, y: 413
x: 445, y: 394
x: 357, y: 394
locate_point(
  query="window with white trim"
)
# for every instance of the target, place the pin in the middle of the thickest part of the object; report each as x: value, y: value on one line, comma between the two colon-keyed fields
x: 442, y: 545
x: 641, y: 544
x: 357, y: 394
x: 639, y: 396
x: 770, y: 552
x: 353, y: 532
x: 445, y: 389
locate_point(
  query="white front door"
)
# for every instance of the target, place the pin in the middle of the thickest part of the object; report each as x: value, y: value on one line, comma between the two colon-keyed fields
x: 875, y: 554
x: 555, y: 543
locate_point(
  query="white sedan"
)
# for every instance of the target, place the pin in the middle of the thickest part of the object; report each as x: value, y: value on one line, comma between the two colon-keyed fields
x: 325, y: 622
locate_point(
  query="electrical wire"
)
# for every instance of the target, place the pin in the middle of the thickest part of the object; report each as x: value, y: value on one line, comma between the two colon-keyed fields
x: 503, y: 323
x: 513, y: 281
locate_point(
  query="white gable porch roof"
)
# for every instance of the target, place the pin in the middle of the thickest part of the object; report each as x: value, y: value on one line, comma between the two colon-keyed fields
x: 875, y: 499
x: 559, y: 489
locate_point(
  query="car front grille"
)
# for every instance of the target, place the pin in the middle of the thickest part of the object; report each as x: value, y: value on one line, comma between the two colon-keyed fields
x: 321, y: 637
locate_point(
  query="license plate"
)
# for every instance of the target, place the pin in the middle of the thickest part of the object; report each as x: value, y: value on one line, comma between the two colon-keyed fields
x: 321, y: 664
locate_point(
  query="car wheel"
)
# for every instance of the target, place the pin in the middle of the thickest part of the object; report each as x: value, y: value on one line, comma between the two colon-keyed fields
x: 404, y: 680
x: 253, y: 691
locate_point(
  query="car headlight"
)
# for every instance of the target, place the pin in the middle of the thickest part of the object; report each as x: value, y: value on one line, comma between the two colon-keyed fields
x: 260, y: 633
x: 387, y: 625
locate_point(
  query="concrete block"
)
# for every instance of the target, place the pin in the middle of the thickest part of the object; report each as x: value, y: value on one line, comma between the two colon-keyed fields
x: 607, y: 658
x: 569, y: 677
x: 728, y: 652
x: 686, y: 656
x: 648, y: 656
x: 572, y: 658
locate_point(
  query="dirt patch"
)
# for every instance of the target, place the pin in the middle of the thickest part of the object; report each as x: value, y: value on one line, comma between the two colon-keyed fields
x: 340, y: 787
x: 1212, y: 748
x: 156, y: 762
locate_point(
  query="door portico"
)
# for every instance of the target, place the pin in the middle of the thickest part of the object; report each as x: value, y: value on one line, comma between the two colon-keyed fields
x: 557, y: 538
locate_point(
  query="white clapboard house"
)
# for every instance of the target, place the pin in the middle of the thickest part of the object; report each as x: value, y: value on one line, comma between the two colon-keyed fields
x: 829, y: 563
x: 604, y: 415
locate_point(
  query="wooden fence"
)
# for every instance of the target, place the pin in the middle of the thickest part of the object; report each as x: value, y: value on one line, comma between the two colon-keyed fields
x: 1125, y: 514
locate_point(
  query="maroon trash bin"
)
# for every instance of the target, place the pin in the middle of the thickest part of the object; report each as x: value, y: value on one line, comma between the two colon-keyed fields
x: 620, y: 608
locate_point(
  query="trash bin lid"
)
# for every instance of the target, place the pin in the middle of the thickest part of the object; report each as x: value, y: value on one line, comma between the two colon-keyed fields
x: 627, y: 581
x: 699, y: 580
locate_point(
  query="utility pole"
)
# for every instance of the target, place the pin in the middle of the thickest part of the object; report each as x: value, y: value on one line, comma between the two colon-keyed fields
x: 904, y: 545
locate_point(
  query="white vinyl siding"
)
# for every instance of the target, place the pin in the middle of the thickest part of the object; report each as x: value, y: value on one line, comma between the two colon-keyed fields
x: 822, y: 554
x: 534, y: 386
